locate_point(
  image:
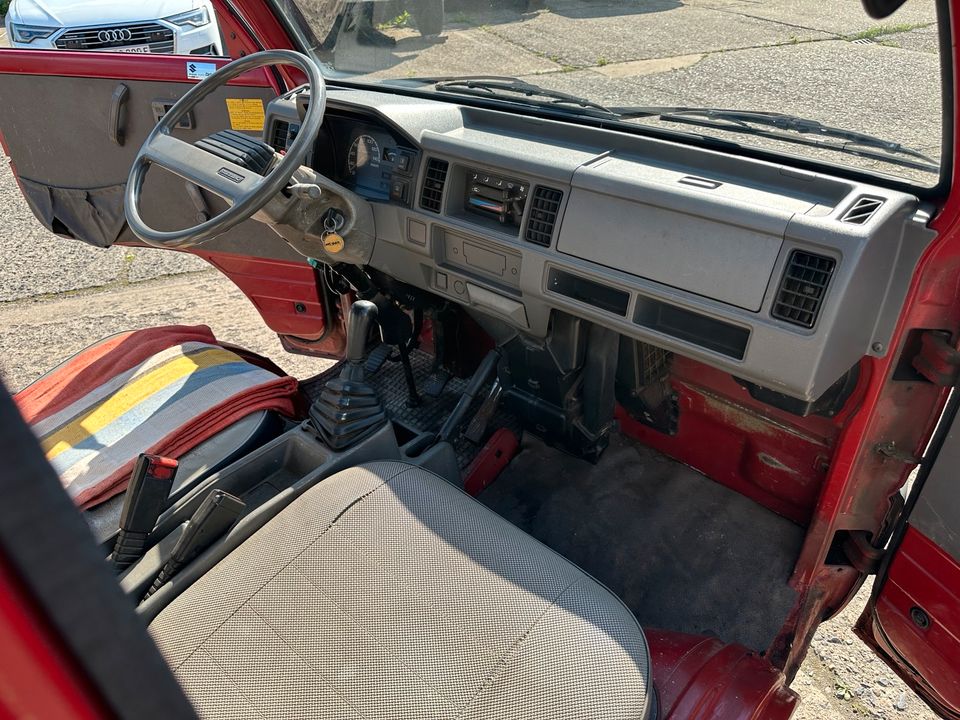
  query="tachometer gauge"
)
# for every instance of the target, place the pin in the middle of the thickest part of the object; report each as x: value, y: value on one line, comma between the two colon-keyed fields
x: 364, y: 152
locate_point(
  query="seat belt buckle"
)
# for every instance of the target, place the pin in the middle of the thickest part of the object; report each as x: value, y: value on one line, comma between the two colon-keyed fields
x: 147, y: 495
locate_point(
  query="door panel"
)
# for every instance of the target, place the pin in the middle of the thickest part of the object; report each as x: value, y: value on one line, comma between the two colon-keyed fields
x: 57, y: 127
x: 57, y: 121
x: 913, y: 619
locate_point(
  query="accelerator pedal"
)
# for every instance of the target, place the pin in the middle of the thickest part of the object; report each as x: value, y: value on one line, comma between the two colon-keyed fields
x: 436, y: 382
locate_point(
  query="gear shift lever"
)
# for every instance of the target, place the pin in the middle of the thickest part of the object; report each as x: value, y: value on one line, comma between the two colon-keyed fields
x: 349, y: 410
x: 362, y: 313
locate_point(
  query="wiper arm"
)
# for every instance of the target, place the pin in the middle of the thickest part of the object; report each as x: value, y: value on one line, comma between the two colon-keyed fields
x: 507, y: 87
x: 746, y: 121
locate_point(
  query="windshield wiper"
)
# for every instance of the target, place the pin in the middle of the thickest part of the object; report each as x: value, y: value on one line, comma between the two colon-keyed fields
x: 513, y: 88
x: 776, y: 126
x: 788, y: 128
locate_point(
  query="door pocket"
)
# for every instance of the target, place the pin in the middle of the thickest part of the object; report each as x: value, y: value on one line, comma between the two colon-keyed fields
x: 93, y: 215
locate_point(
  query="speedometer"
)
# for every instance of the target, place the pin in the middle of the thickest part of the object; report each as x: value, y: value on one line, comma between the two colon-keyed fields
x: 364, y: 153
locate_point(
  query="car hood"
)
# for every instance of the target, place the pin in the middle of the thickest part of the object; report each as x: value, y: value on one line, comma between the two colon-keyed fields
x: 72, y: 13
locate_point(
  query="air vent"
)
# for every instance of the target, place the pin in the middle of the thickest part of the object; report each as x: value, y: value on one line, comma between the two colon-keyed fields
x: 802, y: 288
x: 543, y: 215
x: 862, y: 210
x: 278, y: 135
x: 431, y: 194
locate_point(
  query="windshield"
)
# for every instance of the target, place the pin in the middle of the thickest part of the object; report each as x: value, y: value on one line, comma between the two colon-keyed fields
x: 857, y: 92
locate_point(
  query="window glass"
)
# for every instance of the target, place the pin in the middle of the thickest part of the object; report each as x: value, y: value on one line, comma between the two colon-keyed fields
x: 820, y: 80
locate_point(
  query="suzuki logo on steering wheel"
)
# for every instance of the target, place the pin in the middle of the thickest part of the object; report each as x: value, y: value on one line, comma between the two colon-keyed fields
x: 115, y: 35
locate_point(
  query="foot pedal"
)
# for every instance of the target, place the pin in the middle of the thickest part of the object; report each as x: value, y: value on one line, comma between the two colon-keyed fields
x: 436, y: 382
x: 478, y: 425
x: 377, y: 358
x: 493, y: 458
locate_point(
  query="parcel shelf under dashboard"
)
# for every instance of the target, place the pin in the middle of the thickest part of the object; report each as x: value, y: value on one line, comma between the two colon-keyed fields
x: 588, y: 292
x: 691, y: 327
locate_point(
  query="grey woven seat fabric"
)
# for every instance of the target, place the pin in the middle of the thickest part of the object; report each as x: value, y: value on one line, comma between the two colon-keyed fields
x: 385, y: 592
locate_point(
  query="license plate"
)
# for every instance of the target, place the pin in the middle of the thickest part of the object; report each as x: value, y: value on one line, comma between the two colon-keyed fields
x: 132, y: 49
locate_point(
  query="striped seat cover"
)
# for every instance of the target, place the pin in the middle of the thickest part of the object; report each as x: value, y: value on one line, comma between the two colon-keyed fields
x: 161, y: 390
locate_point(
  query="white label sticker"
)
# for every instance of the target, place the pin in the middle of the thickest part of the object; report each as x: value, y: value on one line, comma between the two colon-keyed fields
x: 200, y: 70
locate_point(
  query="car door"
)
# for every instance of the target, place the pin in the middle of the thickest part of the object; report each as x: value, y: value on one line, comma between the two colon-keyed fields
x: 913, y: 617
x: 71, y: 124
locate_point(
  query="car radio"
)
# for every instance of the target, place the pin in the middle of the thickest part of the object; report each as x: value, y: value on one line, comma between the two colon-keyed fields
x: 495, y: 196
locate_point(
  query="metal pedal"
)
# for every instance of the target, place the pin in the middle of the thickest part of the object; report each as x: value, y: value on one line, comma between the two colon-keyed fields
x: 478, y: 425
x: 436, y: 382
x: 377, y: 358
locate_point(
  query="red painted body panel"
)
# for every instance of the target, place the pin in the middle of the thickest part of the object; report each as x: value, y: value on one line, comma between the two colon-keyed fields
x: 119, y: 66
x: 700, y: 678
x: 921, y: 576
x: 771, y: 456
x: 37, y: 678
x: 286, y: 294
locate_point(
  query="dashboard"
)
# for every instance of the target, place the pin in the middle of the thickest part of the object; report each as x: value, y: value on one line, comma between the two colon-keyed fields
x: 781, y: 277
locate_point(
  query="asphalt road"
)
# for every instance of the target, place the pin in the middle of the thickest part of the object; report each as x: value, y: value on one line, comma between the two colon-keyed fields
x: 58, y: 296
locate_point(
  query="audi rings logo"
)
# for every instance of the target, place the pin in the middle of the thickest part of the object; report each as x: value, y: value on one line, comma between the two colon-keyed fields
x: 115, y: 35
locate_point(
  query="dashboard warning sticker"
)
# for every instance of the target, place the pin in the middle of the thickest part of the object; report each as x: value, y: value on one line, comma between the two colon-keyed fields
x: 245, y: 113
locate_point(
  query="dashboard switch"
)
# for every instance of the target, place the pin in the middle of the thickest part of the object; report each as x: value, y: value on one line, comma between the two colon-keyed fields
x: 441, y: 281
x: 398, y: 190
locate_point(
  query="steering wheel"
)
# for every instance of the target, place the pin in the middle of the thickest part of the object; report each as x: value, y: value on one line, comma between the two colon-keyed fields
x: 245, y: 191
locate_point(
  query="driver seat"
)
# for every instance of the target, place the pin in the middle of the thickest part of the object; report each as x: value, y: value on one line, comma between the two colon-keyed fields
x: 385, y: 592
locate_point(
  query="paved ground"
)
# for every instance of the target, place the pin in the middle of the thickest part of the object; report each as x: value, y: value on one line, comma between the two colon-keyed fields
x: 58, y: 296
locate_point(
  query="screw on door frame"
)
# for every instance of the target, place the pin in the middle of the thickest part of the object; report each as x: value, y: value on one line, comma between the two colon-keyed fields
x: 919, y: 617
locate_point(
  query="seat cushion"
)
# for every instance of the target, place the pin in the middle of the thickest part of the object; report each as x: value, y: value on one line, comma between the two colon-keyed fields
x: 385, y: 592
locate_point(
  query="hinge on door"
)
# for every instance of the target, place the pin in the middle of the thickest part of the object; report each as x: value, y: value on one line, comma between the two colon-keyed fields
x: 862, y: 555
x: 890, y: 450
x: 938, y: 361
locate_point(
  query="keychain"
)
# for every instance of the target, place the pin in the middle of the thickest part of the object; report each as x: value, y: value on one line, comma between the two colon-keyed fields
x: 331, y: 238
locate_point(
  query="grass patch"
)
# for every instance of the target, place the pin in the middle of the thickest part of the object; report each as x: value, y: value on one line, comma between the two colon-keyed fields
x: 882, y: 30
x: 601, y: 61
x: 400, y: 21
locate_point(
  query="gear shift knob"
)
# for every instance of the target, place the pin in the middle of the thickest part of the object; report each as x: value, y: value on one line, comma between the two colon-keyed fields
x: 362, y: 313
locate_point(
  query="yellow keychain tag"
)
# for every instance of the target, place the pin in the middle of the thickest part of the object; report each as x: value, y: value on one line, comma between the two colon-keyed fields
x: 332, y: 243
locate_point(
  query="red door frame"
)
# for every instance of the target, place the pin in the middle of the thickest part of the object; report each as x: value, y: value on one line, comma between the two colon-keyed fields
x: 39, y: 679
x: 861, y: 482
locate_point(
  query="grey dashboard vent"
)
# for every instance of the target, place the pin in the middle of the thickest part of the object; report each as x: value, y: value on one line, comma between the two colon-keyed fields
x: 544, y: 206
x: 802, y: 288
x: 431, y: 194
x: 862, y: 210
